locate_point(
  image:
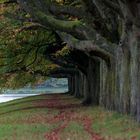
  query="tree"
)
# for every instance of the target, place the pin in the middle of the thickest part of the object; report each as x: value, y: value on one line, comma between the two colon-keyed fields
x: 108, y: 33
x: 23, y: 45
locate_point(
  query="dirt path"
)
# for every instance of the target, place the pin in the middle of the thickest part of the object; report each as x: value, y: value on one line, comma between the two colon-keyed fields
x: 66, y: 114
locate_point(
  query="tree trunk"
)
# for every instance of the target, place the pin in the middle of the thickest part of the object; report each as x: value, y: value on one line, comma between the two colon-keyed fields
x: 70, y: 90
x: 107, y: 84
x: 81, y: 84
x: 72, y: 85
x: 77, y: 85
x: 134, y: 43
x: 92, y: 83
x: 123, y: 79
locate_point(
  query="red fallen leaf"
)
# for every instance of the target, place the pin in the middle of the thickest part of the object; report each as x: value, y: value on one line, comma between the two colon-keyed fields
x: 67, y: 114
x: 52, y: 136
x: 134, y: 138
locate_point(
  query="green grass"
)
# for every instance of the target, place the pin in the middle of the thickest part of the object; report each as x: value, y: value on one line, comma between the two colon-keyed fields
x: 115, y: 124
x: 74, y: 127
x: 22, y: 119
x: 19, y: 120
x: 23, y: 131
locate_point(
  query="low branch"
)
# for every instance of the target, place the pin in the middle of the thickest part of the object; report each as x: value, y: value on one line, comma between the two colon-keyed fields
x: 59, y: 75
x: 60, y: 62
x: 98, y: 45
x: 74, y: 27
x: 113, y: 6
x: 70, y: 10
x: 33, y: 26
x: 8, y: 2
x: 77, y: 2
x: 64, y: 71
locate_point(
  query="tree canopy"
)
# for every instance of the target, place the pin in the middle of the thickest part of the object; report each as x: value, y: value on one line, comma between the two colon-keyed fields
x: 23, y: 44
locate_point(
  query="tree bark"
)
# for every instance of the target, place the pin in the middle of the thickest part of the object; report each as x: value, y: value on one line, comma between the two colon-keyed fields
x: 92, y: 83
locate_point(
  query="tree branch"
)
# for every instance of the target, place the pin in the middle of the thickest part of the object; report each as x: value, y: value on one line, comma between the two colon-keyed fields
x: 99, y: 45
x: 33, y: 26
x: 8, y: 1
x: 113, y: 6
x: 73, y: 27
x: 71, y: 11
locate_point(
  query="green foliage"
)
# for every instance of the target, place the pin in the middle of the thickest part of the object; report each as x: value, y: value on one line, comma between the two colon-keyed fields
x: 63, y: 52
x: 22, y: 49
x: 2, y: 1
